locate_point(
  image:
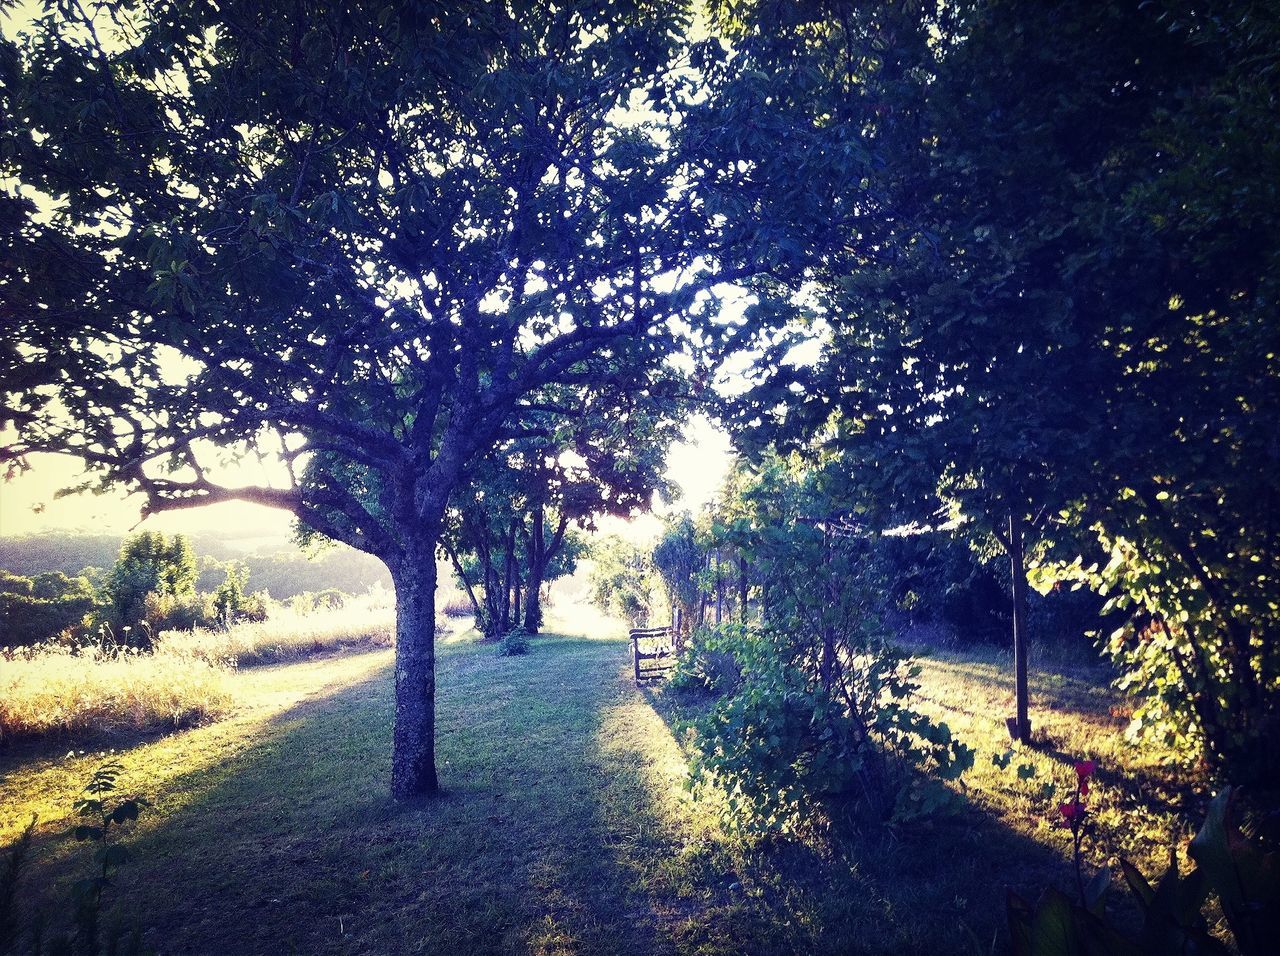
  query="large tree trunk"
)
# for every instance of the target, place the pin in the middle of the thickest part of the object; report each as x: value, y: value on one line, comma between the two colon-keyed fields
x: 413, y: 758
x: 1017, y: 566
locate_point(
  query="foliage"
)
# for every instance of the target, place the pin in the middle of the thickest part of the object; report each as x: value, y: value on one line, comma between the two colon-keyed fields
x: 1203, y: 684
x: 153, y: 578
x: 783, y: 747
x: 821, y: 716
x: 274, y: 566
x: 706, y: 665
x: 514, y: 643
x: 39, y: 608
x: 1016, y: 321
x: 517, y: 525
x: 379, y: 237
x: 232, y: 603
x: 1230, y: 867
x: 679, y: 557
x: 622, y: 578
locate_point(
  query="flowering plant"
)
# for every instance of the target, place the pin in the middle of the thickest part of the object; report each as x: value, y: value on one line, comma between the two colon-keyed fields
x: 1072, y: 815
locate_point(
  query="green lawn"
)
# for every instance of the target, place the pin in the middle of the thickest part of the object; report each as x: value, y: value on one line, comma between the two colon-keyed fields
x: 565, y: 828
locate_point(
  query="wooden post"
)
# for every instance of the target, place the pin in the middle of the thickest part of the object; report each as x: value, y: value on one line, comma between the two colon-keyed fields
x: 1017, y: 567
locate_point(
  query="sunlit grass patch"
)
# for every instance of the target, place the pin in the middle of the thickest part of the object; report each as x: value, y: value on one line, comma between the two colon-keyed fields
x: 51, y: 690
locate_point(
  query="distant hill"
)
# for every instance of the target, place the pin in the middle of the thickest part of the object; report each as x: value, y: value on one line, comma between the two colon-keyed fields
x: 275, y: 564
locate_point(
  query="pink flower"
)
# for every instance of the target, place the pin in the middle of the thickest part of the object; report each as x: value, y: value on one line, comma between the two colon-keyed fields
x: 1071, y: 812
x: 1085, y: 769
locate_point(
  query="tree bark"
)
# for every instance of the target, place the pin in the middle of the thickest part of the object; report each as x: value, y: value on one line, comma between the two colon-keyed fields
x: 413, y: 757
x: 537, y: 568
x: 1018, y: 569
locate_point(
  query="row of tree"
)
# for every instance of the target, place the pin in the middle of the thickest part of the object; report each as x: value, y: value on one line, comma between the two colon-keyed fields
x: 1039, y: 240
x: 518, y: 523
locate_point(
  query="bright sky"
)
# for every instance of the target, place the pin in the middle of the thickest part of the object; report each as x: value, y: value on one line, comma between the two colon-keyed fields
x: 697, y: 465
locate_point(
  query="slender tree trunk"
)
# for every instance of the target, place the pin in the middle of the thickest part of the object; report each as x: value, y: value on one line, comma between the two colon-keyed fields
x: 537, y: 568
x: 413, y: 759
x: 742, y: 589
x: 1018, y: 569
x: 827, y: 666
x: 719, y: 590
x: 471, y: 593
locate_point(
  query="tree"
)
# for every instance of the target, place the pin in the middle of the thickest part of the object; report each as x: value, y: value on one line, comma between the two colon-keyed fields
x: 813, y: 714
x: 622, y: 578
x: 679, y: 557
x: 1040, y: 315
x: 39, y: 608
x: 360, y: 236
x: 601, y: 451
x: 149, y: 563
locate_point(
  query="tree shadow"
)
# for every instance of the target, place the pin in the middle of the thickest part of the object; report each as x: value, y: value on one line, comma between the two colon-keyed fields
x: 564, y: 829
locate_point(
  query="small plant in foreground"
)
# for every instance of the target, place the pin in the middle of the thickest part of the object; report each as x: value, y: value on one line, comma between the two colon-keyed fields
x: 102, y: 814
x: 514, y: 643
x: 1244, y: 878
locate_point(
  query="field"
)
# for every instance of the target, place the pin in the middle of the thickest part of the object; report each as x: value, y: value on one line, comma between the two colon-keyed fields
x: 50, y: 691
x: 566, y: 827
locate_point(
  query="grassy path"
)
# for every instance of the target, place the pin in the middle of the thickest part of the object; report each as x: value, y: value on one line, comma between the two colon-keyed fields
x: 565, y: 828
x: 271, y: 831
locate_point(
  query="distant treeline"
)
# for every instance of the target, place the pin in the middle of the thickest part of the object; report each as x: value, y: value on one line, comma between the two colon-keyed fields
x: 281, y: 571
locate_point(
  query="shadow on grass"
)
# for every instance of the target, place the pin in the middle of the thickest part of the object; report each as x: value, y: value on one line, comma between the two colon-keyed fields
x: 292, y: 843
x: 931, y: 887
x: 564, y: 829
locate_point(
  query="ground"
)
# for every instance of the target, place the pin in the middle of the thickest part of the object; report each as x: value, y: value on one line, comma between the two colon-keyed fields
x: 566, y: 827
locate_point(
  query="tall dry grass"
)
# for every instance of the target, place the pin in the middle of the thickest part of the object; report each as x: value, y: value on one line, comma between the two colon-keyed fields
x: 287, y: 635
x: 187, y: 678
x: 51, y: 690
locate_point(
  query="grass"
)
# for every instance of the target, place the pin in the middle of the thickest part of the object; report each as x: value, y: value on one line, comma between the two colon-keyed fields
x: 189, y: 678
x: 51, y: 692
x: 288, y: 635
x: 565, y: 829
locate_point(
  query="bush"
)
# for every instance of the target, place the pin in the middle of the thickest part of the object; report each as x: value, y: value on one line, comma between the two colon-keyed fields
x: 703, y: 666
x: 783, y: 744
x: 514, y: 643
x: 34, y: 610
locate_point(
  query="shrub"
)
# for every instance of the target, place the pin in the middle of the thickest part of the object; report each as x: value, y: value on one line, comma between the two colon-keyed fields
x: 58, y: 690
x: 34, y: 610
x: 783, y: 743
x: 703, y: 666
x: 514, y: 643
